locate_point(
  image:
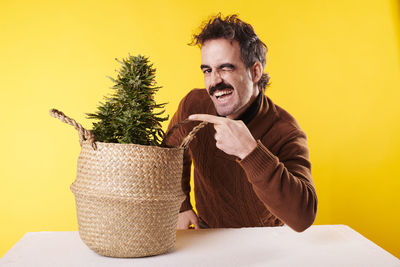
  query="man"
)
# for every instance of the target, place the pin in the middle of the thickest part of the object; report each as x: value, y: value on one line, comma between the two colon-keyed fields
x: 251, y: 162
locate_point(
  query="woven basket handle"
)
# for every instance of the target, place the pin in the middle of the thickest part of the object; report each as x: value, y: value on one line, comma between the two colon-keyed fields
x: 189, y: 137
x: 83, y: 133
x: 88, y: 135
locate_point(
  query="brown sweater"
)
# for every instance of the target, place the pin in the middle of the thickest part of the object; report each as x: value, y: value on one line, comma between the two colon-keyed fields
x: 269, y: 187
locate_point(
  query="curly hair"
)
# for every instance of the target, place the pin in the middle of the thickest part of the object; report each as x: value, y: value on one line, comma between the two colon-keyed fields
x: 252, y: 49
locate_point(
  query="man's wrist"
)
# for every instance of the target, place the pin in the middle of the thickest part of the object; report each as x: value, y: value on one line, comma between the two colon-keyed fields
x: 248, y: 150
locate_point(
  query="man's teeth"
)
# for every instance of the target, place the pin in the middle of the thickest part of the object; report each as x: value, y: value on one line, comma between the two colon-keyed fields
x: 222, y: 92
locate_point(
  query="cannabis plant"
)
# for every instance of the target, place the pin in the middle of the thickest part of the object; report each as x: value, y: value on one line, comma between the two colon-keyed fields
x: 129, y: 115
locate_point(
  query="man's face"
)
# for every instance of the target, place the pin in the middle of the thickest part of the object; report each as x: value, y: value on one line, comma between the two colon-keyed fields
x: 226, y: 77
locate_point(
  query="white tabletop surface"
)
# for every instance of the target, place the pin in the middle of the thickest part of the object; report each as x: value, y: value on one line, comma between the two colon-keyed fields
x: 320, y: 245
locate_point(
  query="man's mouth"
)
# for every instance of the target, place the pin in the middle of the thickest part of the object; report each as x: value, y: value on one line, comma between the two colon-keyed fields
x: 221, y: 94
x: 221, y: 87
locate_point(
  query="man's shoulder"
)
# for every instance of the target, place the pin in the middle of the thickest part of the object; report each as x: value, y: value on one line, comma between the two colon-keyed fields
x: 196, y: 101
x: 197, y: 94
x: 284, y: 121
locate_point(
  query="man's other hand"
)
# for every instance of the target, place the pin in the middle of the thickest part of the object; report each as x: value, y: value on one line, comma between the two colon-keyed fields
x: 187, y: 218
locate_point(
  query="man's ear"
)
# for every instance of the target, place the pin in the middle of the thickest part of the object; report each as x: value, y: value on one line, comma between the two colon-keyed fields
x: 256, y: 71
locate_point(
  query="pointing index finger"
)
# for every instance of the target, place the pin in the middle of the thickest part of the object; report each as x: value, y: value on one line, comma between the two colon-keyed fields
x: 207, y: 118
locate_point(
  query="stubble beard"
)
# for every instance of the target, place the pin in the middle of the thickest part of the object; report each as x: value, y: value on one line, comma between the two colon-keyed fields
x: 226, y: 111
x: 234, y: 109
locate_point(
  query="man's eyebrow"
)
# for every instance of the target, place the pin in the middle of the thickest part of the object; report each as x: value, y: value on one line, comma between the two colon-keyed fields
x: 226, y: 65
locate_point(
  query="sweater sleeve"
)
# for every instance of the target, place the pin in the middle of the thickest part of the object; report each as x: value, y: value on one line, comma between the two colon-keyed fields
x: 174, y: 140
x: 284, y: 183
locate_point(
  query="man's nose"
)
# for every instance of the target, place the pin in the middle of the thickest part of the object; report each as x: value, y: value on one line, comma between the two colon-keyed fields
x: 215, y: 78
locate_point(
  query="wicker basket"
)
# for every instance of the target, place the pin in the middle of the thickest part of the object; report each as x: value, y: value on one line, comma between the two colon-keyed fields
x: 127, y: 196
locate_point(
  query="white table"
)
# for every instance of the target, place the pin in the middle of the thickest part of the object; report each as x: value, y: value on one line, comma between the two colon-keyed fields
x: 320, y: 245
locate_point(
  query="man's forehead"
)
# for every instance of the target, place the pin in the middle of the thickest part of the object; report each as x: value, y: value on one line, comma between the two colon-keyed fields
x: 220, y: 51
x: 220, y: 43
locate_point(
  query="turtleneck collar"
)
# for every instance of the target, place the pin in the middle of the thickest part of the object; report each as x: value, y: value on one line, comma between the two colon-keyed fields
x: 252, y: 110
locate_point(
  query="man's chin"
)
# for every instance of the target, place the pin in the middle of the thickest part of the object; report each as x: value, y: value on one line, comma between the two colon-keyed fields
x: 224, y: 112
x: 231, y: 112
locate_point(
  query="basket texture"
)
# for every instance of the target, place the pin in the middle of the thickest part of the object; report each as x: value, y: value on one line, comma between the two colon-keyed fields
x: 127, y: 196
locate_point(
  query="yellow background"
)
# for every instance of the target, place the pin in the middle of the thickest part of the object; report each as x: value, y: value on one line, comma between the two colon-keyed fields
x: 334, y: 66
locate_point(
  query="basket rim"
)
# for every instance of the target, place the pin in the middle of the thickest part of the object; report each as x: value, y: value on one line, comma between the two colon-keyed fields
x: 87, y: 142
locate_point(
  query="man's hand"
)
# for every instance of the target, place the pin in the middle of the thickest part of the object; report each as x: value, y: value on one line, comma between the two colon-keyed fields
x: 187, y: 218
x: 232, y: 136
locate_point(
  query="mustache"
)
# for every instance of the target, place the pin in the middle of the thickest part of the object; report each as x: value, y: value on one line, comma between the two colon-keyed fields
x: 219, y: 86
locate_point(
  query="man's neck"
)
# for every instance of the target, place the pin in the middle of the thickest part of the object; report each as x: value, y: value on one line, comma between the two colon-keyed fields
x: 250, y: 110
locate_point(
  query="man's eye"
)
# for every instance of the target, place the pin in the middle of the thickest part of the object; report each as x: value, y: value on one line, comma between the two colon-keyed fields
x: 205, y: 71
x: 227, y: 68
